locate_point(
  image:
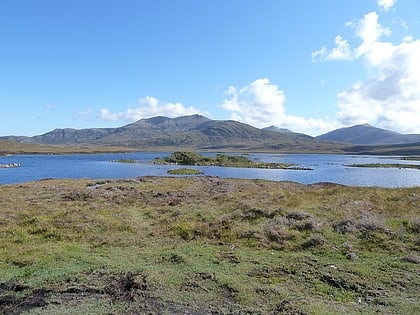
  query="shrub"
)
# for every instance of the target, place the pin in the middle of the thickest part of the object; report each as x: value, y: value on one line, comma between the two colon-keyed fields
x: 185, y: 230
x: 413, y: 225
x: 303, y: 221
x: 364, y: 225
x: 345, y: 226
x: 314, y: 241
x: 277, y: 230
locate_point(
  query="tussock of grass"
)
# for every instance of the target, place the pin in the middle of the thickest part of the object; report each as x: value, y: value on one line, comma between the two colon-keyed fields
x: 204, y: 245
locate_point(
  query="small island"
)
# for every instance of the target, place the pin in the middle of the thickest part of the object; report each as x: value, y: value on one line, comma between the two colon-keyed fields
x: 386, y: 165
x: 129, y: 161
x: 223, y: 160
x: 185, y: 171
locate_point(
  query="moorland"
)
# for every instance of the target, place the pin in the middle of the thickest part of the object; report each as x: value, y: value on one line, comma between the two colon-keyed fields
x: 206, y: 245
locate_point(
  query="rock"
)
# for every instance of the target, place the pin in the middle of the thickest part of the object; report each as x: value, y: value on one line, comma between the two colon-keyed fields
x: 352, y: 256
x: 10, y: 165
x: 412, y: 259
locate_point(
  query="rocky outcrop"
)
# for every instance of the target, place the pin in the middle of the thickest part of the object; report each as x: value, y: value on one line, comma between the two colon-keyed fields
x: 10, y: 165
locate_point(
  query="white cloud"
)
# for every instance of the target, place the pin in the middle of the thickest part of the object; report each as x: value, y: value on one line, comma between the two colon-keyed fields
x: 390, y: 97
x: 261, y: 104
x: 368, y: 30
x: 341, y: 51
x: 386, y: 4
x: 149, y: 107
x: 320, y: 54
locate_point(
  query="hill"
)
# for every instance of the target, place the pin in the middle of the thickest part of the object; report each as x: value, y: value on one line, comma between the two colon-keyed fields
x: 368, y: 135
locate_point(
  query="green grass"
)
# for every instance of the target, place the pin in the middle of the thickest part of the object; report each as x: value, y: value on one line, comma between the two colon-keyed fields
x: 205, y: 244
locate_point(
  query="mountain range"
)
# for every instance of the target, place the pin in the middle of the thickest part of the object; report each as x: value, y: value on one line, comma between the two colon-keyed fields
x: 200, y: 133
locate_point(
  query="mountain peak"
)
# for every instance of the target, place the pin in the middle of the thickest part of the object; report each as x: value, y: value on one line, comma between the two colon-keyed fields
x: 277, y: 129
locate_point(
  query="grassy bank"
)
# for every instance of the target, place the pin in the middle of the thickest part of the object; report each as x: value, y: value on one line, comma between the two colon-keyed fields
x: 205, y: 245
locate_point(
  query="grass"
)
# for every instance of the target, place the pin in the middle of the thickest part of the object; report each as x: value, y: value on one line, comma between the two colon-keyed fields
x: 203, y: 245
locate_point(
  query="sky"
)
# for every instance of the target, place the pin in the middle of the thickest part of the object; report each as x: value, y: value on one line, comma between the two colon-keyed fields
x: 309, y: 66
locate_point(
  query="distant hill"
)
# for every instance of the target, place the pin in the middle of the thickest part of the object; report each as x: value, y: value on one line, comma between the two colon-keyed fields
x: 368, y: 135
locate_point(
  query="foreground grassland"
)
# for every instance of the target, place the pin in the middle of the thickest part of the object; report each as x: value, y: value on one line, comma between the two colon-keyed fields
x: 205, y: 245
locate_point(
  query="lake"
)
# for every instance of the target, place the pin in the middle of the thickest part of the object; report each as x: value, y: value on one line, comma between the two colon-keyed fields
x: 325, y: 168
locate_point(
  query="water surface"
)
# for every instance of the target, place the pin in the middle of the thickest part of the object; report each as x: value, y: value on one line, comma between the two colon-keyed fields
x: 325, y: 168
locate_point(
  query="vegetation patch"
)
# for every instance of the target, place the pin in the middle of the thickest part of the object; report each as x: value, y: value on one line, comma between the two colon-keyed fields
x: 207, y: 245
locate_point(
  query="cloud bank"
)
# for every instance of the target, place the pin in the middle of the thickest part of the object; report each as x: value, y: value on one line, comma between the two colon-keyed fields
x: 390, y: 97
x: 261, y: 104
x: 149, y: 107
x: 386, y: 4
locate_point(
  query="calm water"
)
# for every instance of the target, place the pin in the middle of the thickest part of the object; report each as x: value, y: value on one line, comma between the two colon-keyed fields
x: 326, y: 168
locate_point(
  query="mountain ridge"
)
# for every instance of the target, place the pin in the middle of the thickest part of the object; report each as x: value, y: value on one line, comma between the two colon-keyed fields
x: 197, y: 132
x: 194, y: 131
x: 365, y: 134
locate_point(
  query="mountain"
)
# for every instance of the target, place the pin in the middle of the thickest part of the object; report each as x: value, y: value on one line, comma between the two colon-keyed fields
x: 368, y: 135
x: 194, y: 132
x: 197, y: 132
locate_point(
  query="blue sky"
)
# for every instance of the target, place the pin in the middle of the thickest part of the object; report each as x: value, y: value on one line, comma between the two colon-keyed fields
x: 310, y: 66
